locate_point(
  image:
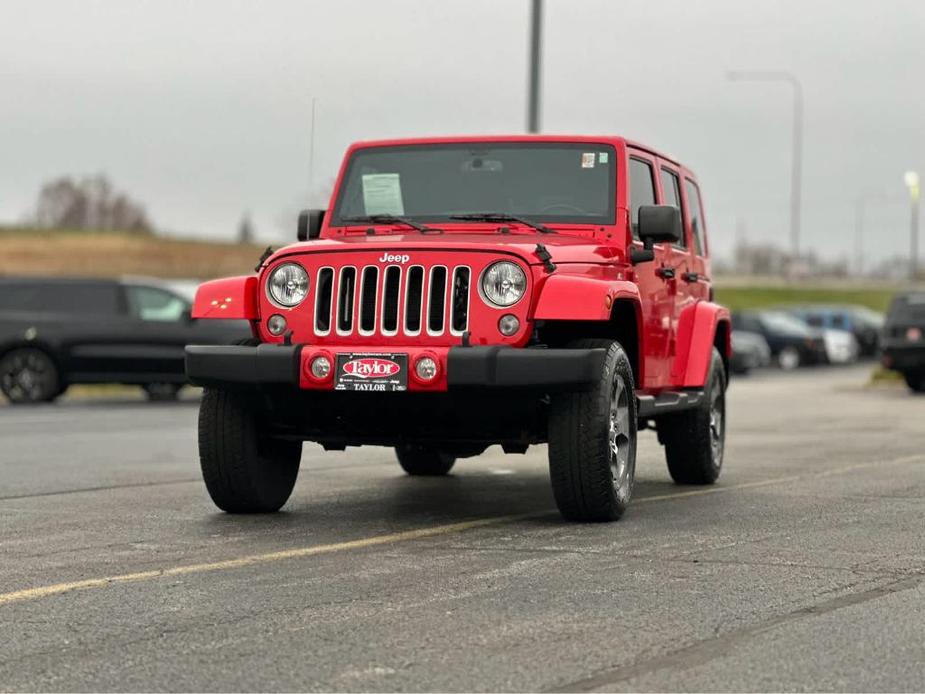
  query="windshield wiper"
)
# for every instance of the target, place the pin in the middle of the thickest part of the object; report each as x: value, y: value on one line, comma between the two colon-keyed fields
x: 387, y: 219
x: 501, y: 217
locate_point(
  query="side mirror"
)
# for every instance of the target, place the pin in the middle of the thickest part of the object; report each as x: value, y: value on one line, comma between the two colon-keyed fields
x: 310, y: 224
x: 657, y: 224
x: 187, y: 315
x: 660, y: 224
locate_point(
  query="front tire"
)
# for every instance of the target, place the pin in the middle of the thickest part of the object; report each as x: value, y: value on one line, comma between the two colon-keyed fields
x: 424, y: 461
x: 245, y: 470
x: 695, y: 440
x: 592, y: 441
x: 29, y: 375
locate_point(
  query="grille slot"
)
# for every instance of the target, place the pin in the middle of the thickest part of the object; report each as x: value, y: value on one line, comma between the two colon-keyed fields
x: 459, y: 317
x: 369, y: 286
x: 323, y: 301
x: 390, y: 299
x: 436, y: 303
x: 414, y: 299
x: 345, y: 293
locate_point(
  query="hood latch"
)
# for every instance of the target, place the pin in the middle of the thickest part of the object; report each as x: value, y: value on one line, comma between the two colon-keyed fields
x: 546, y: 257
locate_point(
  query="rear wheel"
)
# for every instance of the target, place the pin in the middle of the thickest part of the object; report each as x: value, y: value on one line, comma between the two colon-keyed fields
x: 592, y: 441
x: 245, y: 470
x: 695, y: 439
x: 915, y: 380
x: 29, y: 375
x: 424, y: 461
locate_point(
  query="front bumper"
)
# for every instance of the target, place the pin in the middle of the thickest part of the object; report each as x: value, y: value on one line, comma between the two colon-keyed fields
x: 460, y: 367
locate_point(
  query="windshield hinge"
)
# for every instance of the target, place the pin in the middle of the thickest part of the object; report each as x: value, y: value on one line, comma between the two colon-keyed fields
x: 546, y: 257
x: 266, y: 254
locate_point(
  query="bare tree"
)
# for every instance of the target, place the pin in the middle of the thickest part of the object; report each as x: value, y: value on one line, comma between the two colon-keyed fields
x: 245, y: 229
x: 88, y: 203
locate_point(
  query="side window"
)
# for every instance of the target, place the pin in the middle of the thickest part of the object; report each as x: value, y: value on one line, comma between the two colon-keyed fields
x: 152, y: 304
x: 74, y: 298
x: 642, y: 190
x: 19, y: 298
x: 671, y: 190
x: 695, y: 212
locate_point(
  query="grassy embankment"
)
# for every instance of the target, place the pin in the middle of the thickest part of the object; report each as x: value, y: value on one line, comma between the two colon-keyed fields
x: 108, y: 254
x: 744, y: 297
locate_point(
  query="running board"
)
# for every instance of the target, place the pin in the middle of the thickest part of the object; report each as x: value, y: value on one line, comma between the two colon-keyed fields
x: 667, y: 402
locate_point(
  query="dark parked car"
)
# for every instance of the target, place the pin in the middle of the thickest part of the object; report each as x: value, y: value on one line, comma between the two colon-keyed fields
x: 57, y: 332
x: 860, y: 321
x: 793, y: 343
x: 904, y: 339
x: 749, y: 351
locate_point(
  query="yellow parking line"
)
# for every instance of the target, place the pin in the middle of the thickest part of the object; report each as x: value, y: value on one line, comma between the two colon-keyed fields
x: 717, y: 490
x: 404, y: 536
x: 391, y: 538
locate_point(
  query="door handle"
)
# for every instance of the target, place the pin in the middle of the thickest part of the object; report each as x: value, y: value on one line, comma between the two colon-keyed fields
x: 690, y: 277
x: 666, y: 273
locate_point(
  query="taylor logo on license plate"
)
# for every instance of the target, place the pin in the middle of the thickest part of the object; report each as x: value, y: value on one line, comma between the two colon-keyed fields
x: 372, y: 372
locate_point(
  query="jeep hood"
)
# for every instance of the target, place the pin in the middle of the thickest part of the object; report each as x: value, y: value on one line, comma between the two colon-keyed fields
x: 564, y: 248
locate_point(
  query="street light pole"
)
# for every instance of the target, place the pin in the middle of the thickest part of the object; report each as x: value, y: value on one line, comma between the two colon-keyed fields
x: 796, y: 170
x: 859, y: 204
x: 912, y: 183
x: 533, y: 99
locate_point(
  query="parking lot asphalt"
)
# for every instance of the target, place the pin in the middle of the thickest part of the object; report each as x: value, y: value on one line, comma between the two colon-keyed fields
x: 803, y: 569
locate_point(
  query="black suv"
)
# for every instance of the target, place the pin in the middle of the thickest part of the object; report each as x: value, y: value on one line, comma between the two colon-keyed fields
x: 904, y: 338
x: 56, y: 332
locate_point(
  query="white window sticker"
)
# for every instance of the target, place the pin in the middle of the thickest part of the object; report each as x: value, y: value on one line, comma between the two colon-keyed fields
x: 602, y: 157
x: 587, y: 160
x: 382, y: 194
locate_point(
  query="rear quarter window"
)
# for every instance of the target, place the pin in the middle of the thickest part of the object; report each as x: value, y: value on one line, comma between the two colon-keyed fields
x: 906, y: 308
x: 695, y: 212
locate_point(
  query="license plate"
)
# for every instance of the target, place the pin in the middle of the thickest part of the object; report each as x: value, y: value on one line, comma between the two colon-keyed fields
x: 376, y: 372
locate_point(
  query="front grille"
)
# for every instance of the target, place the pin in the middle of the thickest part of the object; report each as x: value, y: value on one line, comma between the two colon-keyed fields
x: 393, y: 299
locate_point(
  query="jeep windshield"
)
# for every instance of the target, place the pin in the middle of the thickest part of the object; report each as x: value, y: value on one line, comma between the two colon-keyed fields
x: 540, y: 182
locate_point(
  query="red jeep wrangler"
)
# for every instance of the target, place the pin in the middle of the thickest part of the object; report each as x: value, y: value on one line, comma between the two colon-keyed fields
x: 464, y: 292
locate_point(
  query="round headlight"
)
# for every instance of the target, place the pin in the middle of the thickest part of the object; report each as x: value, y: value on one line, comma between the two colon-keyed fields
x: 504, y: 283
x: 288, y: 285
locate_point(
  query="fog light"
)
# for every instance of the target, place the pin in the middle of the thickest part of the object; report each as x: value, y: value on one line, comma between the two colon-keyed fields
x: 426, y: 369
x: 508, y: 325
x: 276, y: 324
x: 321, y: 367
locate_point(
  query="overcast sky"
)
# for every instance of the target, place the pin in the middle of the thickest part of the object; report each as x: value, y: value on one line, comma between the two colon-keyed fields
x: 201, y: 109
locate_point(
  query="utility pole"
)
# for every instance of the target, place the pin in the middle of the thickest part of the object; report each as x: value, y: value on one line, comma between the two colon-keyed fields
x: 859, y: 235
x: 796, y: 170
x: 912, y: 183
x: 536, y: 40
